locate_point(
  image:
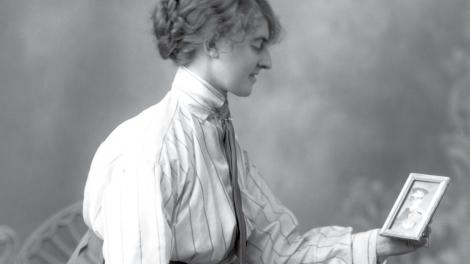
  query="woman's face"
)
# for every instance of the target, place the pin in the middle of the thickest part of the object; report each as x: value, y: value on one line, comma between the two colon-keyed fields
x: 238, y: 63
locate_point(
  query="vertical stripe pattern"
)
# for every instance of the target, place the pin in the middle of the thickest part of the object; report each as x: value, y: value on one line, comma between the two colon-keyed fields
x: 159, y: 189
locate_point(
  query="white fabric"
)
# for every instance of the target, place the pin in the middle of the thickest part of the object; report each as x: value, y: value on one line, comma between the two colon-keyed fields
x: 159, y: 189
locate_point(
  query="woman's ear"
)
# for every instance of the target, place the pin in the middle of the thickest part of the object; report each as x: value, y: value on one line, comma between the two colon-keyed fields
x: 211, y: 49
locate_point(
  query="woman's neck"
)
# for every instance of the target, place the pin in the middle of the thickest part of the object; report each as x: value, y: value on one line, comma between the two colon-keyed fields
x: 202, y: 70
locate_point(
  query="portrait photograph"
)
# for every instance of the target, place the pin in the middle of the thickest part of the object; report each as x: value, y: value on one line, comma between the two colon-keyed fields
x: 415, y: 206
x: 234, y: 131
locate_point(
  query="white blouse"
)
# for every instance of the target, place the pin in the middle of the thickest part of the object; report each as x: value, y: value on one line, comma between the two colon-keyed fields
x: 159, y: 190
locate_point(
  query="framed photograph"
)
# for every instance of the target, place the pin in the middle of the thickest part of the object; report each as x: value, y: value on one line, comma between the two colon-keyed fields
x: 415, y: 206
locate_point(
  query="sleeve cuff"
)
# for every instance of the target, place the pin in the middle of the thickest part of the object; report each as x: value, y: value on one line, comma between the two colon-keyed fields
x: 364, y: 248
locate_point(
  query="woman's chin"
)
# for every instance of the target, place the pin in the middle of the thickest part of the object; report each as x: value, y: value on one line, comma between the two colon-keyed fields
x: 243, y: 93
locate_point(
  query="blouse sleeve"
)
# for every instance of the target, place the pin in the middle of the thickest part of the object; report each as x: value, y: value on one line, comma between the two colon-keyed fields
x: 127, y: 204
x: 273, y: 235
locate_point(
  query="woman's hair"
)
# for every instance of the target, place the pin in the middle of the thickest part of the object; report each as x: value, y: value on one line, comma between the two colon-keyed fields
x: 182, y: 26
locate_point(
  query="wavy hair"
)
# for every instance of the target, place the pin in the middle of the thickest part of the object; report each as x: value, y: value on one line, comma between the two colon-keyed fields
x: 182, y: 26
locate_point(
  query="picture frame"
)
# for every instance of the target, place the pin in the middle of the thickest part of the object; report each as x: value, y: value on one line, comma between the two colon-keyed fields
x: 415, y: 206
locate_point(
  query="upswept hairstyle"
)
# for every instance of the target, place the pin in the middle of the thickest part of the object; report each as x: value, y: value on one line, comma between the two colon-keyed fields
x: 182, y: 26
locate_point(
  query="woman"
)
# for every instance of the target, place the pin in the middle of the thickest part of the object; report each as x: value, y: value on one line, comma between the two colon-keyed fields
x: 172, y: 183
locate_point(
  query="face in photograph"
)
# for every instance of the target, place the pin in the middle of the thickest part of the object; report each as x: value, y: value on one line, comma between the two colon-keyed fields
x: 413, y: 210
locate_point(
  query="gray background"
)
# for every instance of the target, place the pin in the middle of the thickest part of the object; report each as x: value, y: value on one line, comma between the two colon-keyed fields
x: 361, y: 93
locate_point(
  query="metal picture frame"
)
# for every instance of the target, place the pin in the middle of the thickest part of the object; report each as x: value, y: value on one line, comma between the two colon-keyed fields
x: 415, y: 206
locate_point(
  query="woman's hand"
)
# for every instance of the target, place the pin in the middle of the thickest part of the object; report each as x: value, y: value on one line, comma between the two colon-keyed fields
x: 387, y: 246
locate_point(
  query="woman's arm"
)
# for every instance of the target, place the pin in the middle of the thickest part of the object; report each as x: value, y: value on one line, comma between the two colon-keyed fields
x: 273, y: 235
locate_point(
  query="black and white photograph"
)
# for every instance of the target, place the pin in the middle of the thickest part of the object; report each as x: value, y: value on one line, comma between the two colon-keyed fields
x: 234, y: 131
x: 415, y: 206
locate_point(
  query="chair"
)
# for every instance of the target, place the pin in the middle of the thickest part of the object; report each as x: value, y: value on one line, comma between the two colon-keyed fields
x: 55, y: 240
x: 8, y: 245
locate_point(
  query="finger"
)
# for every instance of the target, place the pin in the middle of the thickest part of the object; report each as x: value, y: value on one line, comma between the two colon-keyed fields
x: 426, y: 236
x: 422, y: 242
x: 428, y: 230
x: 414, y: 245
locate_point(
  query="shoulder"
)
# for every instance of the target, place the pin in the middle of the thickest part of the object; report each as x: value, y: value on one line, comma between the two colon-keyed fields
x: 146, y: 129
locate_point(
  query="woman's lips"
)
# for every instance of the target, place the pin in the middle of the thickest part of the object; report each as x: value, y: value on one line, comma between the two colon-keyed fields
x: 252, y: 77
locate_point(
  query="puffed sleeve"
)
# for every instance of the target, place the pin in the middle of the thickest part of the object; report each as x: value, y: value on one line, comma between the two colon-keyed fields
x: 273, y: 235
x: 124, y: 202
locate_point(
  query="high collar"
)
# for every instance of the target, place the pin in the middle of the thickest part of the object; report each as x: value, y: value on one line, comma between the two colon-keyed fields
x: 202, y: 99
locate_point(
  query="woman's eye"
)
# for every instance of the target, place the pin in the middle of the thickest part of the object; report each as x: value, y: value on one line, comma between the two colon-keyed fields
x: 258, y: 46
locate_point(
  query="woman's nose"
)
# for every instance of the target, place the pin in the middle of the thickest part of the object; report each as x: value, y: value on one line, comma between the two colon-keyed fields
x: 265, y: 60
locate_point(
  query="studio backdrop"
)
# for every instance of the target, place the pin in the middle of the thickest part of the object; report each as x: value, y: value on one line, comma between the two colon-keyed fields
x: 361, y: 93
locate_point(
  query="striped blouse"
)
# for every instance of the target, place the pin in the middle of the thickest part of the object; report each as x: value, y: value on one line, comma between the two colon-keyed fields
x: 159, y: 190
